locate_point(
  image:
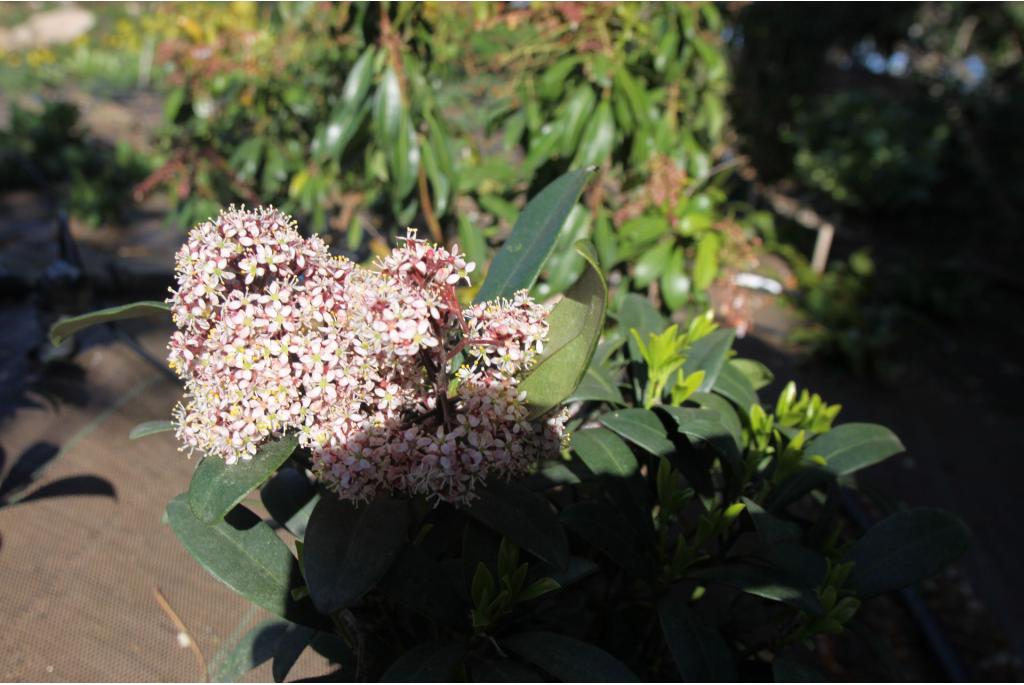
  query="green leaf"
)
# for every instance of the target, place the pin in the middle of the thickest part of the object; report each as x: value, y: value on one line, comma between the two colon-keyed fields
x: 525, y: 518
x: 604, y: 452
x: 419, y: 583
x: 290, y: 498
x: 796, y: 486
x: 521, y: 258
x: 759, y: 375
x: 708, y: 355
x: 70, y: 325
x: 603, y: 526
x: 575, y: 325
x: 770, y: 529
x: 705, y: 266
x: 726, y: 413
x: 245, y: 554
x: 675, y: 284
x: 150, y: 428
x: 552, y: 82
x: 705, y: 425
x: 637, y: 312
x: 578, y: 108
x: 789, y: 670
x: 652, y: 264
x: 732, y: 384
x: 641, y: 427
x: 472, y: 240
x: 568, y: 659
x: 905, y: 548
x: 854, y: 446
x: 289, y: 648
x: 349, y: 548
x: 217, y: 487
x: 598, y: 385
x: 503, y: 671
x: 439, y: 181
x: 256, y: 647
x: 598, y: 137
x: 359, y: 79
x: 434, y: 662
x: 538, y: 588
x: 699, y: 650
x: 763, y: 581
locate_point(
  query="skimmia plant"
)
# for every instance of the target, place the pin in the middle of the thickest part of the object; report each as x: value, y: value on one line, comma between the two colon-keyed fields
x: 502, y: 489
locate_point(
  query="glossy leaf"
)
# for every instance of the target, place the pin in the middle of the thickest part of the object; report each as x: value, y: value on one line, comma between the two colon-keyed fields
x: 349, y: 548
x: 290, y: 498
x: 434, y: 662
x: 708, y: 355
x: 726, y: 413
x: 568, y: 659
x: 796, y: 486
x: 699, y: 650
x: 763, y: 581
x: 525, y: 518
x: 521, y: 258
x: 731, y: 383
x: 598, y: 385
x: 217, y: 487
x: 598, y: 137
x: 575, y: 324
x: 853, y: 446
x: 604, y: 452
x: 906, y: 548
x: 641, y: 427
x: 759, y: 375
x: 246, y: 555
x: 70, y: 325
x: 675, y: 283
x: 705, y: 425
x: 652, y: 264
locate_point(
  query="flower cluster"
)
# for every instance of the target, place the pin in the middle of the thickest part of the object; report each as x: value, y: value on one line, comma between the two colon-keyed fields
x: 277, y: 335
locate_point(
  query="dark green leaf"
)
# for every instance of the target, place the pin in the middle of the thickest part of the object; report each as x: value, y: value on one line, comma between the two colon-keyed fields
x: 598, y: 385
x: 521, y: 258
x: 434, y: 662
x: 854, y: 446
x: 637, y: 312
x: 906, y: 548
x: 652, y: 264
x: 770, y: 529
x: 675, y: 284
x: 256, y: 647
x: 758, y: 374
x: 762, y: 581
x: 788, y: 670
x: 705, y: 425
x: 420, y: 584
x: 243, y: 553
x: 796, y: 486
x: 604, y: 527
x: 503, y: 671
x: 726, y: 413
x: 708, y: 355
x: 290, y: 499
x: 217, y: 486
x: 70, y: 325
x: 150, y: 428
x: 525, y: 518
x: 604, y: 452
x: 349, y: 548
x: 641, y: 427
x: 700, y: 652
x: 568, y: 659
x: 731, y: 383
x: 289, y: 648
x: 575, y: 324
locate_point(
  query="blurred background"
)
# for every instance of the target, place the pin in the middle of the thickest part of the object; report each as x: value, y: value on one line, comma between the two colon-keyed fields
x: 843, y: 183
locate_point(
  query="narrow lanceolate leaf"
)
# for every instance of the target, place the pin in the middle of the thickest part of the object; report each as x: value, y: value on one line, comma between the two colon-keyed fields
x: 246, y: 555
x: 521, y: 258
x: 641, y: 427
x: 906, y: 548
x: 699, y: 650
x: 568, y: 659
x: 218, y: 486
x: 708, y: 355
x: 854, y: 446
x: 434, y: 662
x: 525, y: 518
x: 150, y: 428
x: 604, y: 452
x: 71, y: 325
x: 348, y: 549
x: 575, y: 325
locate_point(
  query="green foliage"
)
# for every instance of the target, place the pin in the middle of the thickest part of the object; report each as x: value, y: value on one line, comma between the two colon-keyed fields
x: 49, y: 150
